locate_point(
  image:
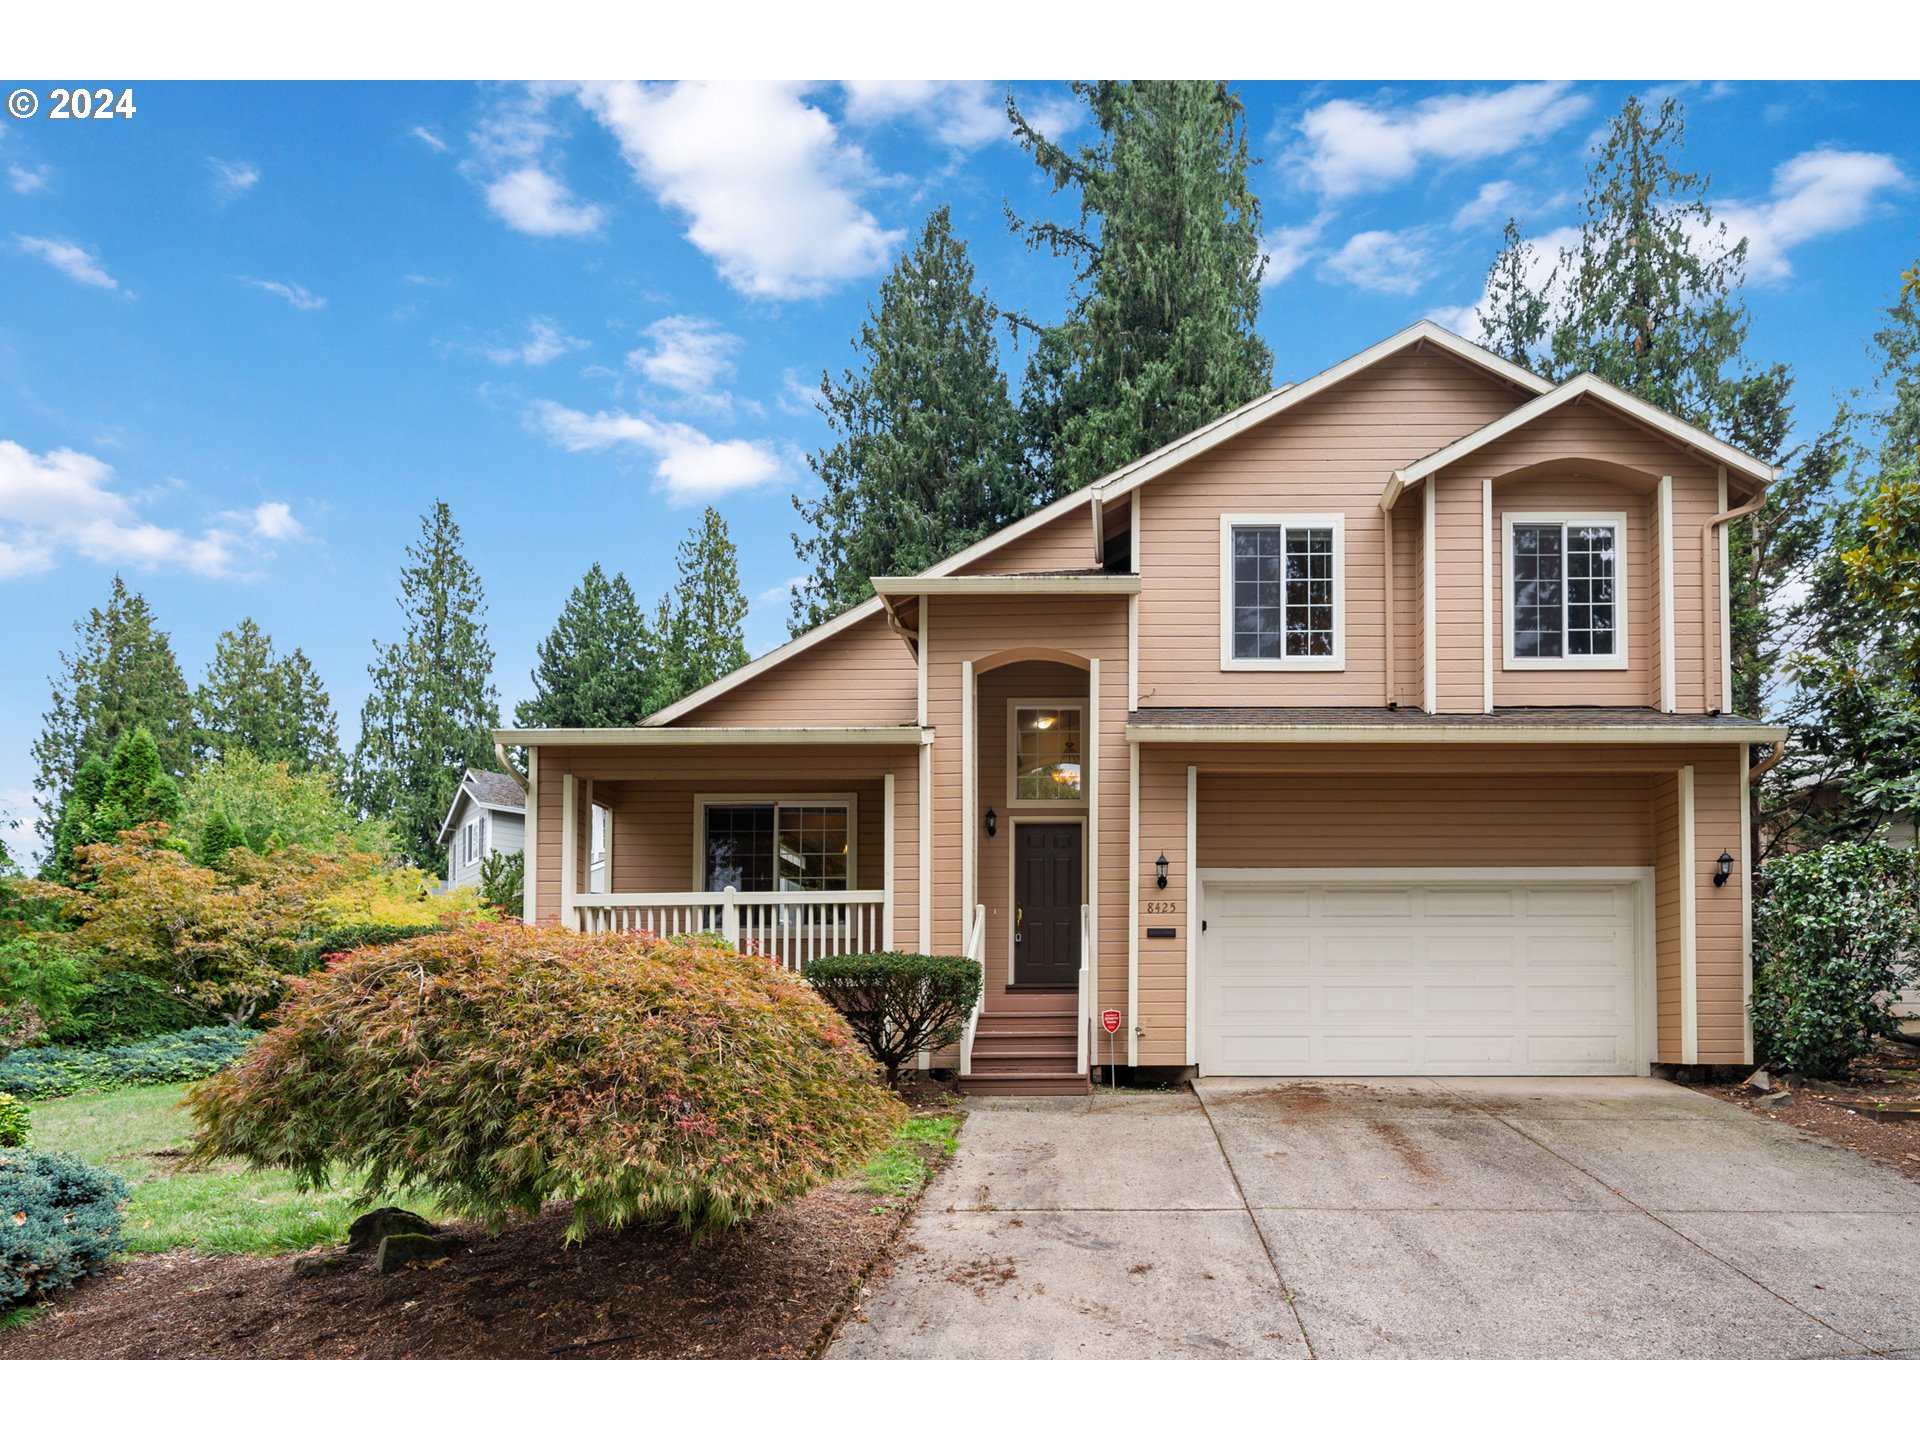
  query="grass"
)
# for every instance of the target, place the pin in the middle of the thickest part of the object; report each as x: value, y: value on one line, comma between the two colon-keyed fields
x: 901, y: 1168
x: 225, y: 1209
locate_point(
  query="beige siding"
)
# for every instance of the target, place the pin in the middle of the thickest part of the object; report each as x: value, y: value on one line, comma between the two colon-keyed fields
x: 1333, y: 453
x: 1666, y: 918
x: 865, y: 675
x: 1065, y: 543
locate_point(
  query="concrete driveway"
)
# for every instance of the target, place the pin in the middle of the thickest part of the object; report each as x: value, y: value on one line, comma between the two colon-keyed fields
x: 1333, y: 1219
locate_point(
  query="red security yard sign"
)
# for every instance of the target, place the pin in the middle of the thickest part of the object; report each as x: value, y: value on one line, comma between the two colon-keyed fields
x: 1110, y: 1021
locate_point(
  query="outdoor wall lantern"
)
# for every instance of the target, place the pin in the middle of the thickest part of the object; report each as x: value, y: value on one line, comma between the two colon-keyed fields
x: 1160, y: 871
x: 1726, y: 869
x: 993, y: 823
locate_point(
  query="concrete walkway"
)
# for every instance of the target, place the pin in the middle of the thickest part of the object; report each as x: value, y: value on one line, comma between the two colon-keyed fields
x: 1456, y: 1218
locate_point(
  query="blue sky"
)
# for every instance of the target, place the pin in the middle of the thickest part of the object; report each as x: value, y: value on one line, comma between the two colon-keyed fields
x: 249, y: 334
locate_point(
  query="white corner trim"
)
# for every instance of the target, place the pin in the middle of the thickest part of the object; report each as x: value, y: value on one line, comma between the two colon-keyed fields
x: 530, y: 885
x: 890, y: 844
x: 1429, y: 604
x: 1689, y: 943
x: 1133, y: 606
x: 1195, y: 913
x: 1668, y: 662
x: 1618, y: 660
x: 1746, y: 899
x: 1096, y: 769
x: 1486, y: 597
x: 1335, y: 522
x: 922, y: 864
x: 1726, y: 603
x: 1133, y: 904
x: 569, y: 842
x: 969, y: 794
x: 920, y: 660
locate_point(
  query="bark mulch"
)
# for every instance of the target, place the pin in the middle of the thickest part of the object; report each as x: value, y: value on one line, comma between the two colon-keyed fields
x: 1844, y: 1112
x: 774, y: 1288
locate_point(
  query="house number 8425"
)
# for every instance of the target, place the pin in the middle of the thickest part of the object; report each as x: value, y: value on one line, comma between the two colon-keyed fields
x: 1161, y: 907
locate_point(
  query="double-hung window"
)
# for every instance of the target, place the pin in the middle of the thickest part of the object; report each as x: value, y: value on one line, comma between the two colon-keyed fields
x: 764, y: 845
x: 1566, y: 592
x: 1282, y: 605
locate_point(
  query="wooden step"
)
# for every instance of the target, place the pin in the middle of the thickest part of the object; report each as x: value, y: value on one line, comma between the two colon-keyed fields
x: 1023, y: 1063
x: 1028, y: 1024
x: 1016, y: 1082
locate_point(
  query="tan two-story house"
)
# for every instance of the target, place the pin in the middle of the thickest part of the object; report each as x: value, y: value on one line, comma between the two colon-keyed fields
x: 1377, y: 728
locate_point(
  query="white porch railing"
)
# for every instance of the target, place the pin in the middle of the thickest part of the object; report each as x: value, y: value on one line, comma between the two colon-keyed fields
x: 976, y: 952
x: 794, y: 926
x: 1086, y: 988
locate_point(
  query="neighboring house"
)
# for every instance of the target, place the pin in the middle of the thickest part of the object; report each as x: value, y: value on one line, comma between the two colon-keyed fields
x: 1376, y: 728
x: 488, y: 817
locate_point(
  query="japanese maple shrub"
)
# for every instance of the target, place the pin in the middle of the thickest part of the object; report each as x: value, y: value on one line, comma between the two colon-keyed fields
x: 502, y: 1066
x: 1834, y: 937
x: 899, y: 1004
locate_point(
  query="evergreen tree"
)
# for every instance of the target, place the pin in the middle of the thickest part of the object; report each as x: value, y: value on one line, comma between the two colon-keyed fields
x: 927, y: 458
x: 254, y: 700
x: 1515, y: 315
x: 120, y: 675
x: 698, y: 626
x: 432, y: 705
x: 216, y: 840
x: 1159, y: 336
x: 79, y: 824
x: 597, y: 666
x: 137, y: 789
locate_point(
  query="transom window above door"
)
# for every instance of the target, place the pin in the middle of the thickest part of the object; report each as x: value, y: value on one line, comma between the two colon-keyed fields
x: 1282, y: 601
x: 1049, y: 761
x: 1566, y: 582
x: 776, y: 844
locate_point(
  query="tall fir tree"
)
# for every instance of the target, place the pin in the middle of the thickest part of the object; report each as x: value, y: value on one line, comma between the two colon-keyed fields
x: 699, y: 625
x: 597, y: 666
x: 120, y: 675
x: 432, y: 703
x: 79, y: 818
x: 927, y: 456
x: 1159, y: 336
x: 275, y: 706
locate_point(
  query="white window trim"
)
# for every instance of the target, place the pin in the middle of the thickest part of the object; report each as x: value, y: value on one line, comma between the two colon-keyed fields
x: 1616, y: 661
x: 848, y: 799
x: 1336, y: 523
x: 1014, y: 707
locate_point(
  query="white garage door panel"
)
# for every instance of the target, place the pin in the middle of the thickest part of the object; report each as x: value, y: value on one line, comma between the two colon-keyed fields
x: 1442, y: 978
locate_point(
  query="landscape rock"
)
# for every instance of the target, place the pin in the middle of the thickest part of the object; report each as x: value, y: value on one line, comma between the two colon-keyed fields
x: 323, y: 1264
x: 1778, y: 1100
x: 396, y: 1252
x: 1759, y: 1082
x: 371, y: 1228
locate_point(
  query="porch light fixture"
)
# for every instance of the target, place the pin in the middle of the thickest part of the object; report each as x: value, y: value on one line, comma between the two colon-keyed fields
x: 1726, y: 869
x: 1160, y: 871
x: 993, y: 823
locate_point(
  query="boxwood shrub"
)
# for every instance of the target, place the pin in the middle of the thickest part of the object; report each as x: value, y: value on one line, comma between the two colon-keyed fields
x: 59, y: 1221
x: 50, y: 1070
x: 899, y: 1004
x: 501, y: 1066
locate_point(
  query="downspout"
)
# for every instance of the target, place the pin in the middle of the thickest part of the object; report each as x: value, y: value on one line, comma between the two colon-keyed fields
x: 1710, y: 595
x: 506, y: 764
x: 1774, y: 757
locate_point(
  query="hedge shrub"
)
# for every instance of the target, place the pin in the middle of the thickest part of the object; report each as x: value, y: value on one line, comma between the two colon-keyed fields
x: 122, y: 1006
x: 1834, y: 936
x: 59, y: 1221
x: 50, y: 1070
x: 899, y: 1004
x: 16, y: 1123
x: 502, y: 1066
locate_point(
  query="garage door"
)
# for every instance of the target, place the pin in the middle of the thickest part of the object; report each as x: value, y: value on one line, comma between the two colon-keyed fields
x: 1443, y: 978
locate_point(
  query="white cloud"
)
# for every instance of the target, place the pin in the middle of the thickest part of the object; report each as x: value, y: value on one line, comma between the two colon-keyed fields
x: 535, y: 203
x: 1816, y: 193
x: 690, y: 356
x: 1349, y: 148
x: 1387, y: 261
x: 75, y: 262
x: 769, y: 188
x: 1291, y: 246
x: 690, y: 466
x: 64, y: 501
x: 234, y: 176
x: 429, y: 138
x: 545, y: 341
x: 297, y: 296
x: 963, y: 113
x: 1495, y: 201
x: 780, y: 594
x: 29, y: 182
x: 797, y: 396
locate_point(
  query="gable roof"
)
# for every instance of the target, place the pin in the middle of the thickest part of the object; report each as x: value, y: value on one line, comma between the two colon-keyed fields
x: 486, y: 788
x: 1586, y: 385
x: 1129, y: 478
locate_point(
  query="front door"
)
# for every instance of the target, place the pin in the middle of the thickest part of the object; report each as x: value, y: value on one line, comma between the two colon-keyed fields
x: 1046, y: 900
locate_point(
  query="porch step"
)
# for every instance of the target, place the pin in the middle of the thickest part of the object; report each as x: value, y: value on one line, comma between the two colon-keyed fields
x: 999, y: 1026
x: 1019, y: 1082
x: 1023, y: 1062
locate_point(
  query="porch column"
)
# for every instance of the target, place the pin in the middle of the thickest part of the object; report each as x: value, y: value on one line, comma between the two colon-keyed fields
x: 569, y: 850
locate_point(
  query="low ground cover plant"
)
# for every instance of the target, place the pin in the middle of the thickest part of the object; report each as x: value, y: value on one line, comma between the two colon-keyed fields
x: 16, y: 1123
x: 59, y: 1221
x: 499, y: 1067
x: 1835, y: 938
x: 48, y: 1070
x: 899, y: 1004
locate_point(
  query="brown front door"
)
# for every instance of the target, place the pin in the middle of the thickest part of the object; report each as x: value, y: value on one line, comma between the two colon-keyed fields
x: 1046, y: 899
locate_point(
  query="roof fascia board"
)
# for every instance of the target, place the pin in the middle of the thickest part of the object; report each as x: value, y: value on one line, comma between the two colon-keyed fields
x: 1455, y: 734
x: 648, y: 735
x: 899, y: 585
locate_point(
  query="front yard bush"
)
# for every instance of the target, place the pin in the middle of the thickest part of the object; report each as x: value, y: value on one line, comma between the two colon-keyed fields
x: 16, y: 1123
x: 49, y: 1070
x: 899, y: 1004
x: 1834, y: 933
x: 59, y: 1221
x: 120, y: 1007
x: 500, y: 1067
x: 357, y: 936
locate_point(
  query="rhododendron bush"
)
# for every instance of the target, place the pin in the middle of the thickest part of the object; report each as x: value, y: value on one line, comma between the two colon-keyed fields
x: 502, y: 1067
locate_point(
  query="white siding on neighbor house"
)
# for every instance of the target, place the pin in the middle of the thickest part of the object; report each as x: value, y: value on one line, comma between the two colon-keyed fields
x: 499, y: 830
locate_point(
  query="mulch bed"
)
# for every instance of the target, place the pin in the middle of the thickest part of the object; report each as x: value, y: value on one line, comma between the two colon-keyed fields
x: 1841, y: 1112
x: 774, y: 1288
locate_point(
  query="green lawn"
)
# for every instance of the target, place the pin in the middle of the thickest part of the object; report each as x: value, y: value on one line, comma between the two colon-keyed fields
x: 225, y: 1210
